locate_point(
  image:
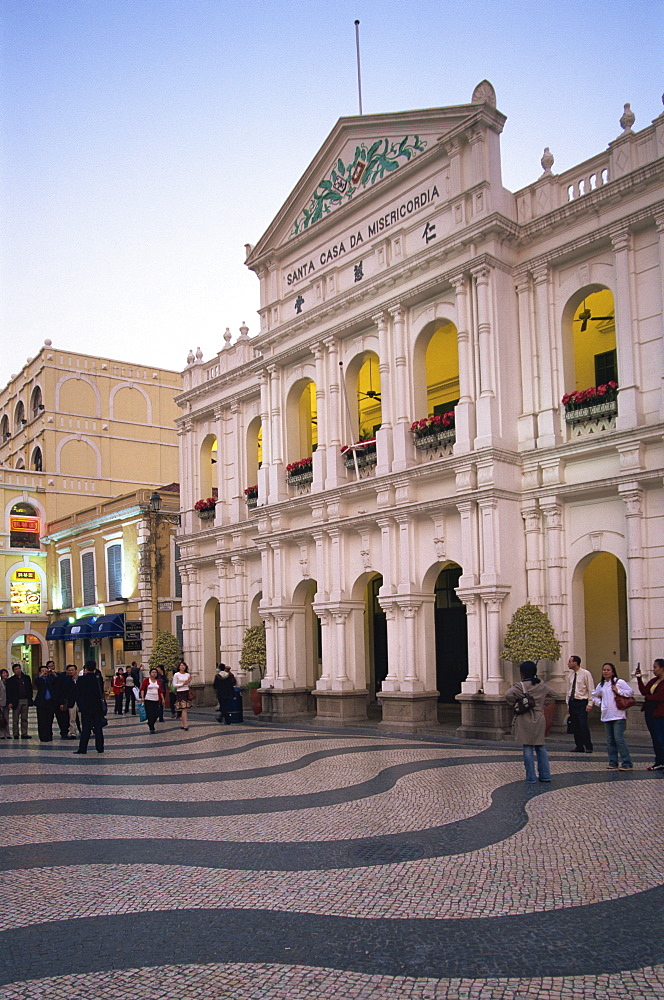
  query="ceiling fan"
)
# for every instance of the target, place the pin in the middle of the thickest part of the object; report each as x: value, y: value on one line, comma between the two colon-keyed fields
x: 585, y: 315
x: 371, y: 393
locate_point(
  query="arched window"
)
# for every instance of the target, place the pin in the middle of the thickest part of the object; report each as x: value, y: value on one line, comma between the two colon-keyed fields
x: 594, y: 340
x: 302, y: 424
x: 254, y: 451
x: 442, y: 370
x: 36, y: 404
x: 36, y: 460
x: 209, y: 467
x: 24, y: 530
x: 19, y: 416
x: 369, y: 410
x: 4, y: 428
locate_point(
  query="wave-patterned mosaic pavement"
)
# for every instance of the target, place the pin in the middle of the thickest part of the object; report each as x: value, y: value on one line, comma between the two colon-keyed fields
x: 300, y: 863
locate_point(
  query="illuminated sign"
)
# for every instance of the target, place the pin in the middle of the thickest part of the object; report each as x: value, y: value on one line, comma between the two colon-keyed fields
x: 24, y: 524
x: 25, y: 592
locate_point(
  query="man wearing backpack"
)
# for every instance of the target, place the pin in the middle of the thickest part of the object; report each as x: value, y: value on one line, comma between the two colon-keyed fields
x: 580, y: 687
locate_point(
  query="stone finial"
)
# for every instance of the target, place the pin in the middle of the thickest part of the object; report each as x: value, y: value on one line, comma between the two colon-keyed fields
x: 227, y: 337
x: 28, y: 360
x: 628, y: 119
x: 484, y: 94
x: 248, y: 247
x: 48, y: 343
x: 190, y: 357
x: 244, y: 331
x: 547, y: 160
x: 199, y: 354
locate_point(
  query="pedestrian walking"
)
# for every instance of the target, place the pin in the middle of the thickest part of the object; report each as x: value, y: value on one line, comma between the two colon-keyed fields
x: 92, y: 706
x: 130, y: 695
x: 181, y: 682
x: 614, y: 718
x: 653, y: 709
x: 163, y: 680
x: 152, y: 696
x: 4, y: 706
x: 68, y: 700
x: 528, y: 699
x: 19, y: 697
x: 223, y: 685
x: 579, y: 692
x: 118, y: 688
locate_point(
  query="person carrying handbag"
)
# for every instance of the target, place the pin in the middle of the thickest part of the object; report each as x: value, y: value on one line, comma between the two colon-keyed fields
x: 152, y: 697
x: 613, y: 716
x: 528, y: 700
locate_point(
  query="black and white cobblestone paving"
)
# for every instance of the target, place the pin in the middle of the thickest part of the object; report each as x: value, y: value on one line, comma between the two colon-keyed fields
x: 302, y: 863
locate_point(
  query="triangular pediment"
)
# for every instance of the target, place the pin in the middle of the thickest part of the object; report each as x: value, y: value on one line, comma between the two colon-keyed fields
x: 359, y: 154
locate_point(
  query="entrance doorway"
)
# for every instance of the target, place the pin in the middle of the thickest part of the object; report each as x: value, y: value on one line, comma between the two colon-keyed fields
x: 26, y: 650
x: 377, y: 635
x: 451, y: 636
x: 605, y: 606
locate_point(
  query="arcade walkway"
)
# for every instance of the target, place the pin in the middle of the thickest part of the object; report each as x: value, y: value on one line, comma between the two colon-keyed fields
x: 269, y: 863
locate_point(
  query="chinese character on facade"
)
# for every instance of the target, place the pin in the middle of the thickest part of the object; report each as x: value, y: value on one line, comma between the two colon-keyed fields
x: 299, y: 302
x: 429, y: 232
x: 358, y: 273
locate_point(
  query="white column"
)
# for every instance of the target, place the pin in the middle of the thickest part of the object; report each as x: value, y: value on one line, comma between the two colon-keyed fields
x: 555, y: 564
x: 487, y: 508
x: 532, y: 521
x: 235, y: 501
x: 465, y: 408
x: 335, y: 474
x: 495, y: 683
x: 637, y: 613
x: 277, y: 474
x: 320, y: 455
x: 548, y: 417
x: 628, y: 402
x: 283, y: 680
x: 328, y: 657
x: 486, y: 403
x: 469, y: 546
x: 474, y: 682
x: 409, y: 653
x: 384, y: 435
x: 659, y: 222
x: 403, y: 456
x: 263, y: 472
x: 527, y: 424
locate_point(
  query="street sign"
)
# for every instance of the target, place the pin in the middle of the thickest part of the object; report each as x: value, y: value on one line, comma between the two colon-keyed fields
x: 133, y: 626
x: 133, y: 644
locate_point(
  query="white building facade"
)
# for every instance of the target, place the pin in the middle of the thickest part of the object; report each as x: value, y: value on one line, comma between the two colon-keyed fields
x: 402, y: 283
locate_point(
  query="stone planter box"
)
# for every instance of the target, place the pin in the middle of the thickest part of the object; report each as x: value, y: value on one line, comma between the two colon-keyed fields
x: 300, y: 478
x: 251, y: 502
x: 365, y: 460
x: 425, y: 442
x: 594, y: 412
x: 207, y: 515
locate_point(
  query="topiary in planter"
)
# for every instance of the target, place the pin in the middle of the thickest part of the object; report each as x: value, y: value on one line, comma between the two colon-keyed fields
x: 166, y: 651
x: 253, y: 649
x: 530, y: 636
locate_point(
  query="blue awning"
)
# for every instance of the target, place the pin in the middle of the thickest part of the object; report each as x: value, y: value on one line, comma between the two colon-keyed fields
x: 81, y: 627
x: 57, y: 629
x: 109, y: 627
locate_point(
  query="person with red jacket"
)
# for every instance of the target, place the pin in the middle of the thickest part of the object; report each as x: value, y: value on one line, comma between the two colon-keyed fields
x: 118, y: 686
x: 653, y: 708
x: 152, y: 696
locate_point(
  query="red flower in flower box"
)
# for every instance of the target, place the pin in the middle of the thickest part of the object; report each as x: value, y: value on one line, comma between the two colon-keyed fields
x: 209, y: 504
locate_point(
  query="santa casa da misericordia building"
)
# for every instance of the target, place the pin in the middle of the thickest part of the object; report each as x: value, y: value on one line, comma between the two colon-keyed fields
x: 453, y: 406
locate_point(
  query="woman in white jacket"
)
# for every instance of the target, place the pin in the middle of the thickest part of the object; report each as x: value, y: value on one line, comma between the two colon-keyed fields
x: 614, y: 718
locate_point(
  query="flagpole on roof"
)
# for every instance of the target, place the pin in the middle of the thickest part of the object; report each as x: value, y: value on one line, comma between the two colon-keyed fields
x: 359, y: 77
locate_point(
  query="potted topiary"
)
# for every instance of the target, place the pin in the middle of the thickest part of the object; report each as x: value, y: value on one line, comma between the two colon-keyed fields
x: 530, y: 636
x: 252, y: 658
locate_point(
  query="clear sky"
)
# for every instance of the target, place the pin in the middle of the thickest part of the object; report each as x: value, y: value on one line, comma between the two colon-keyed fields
x: 144, y: 142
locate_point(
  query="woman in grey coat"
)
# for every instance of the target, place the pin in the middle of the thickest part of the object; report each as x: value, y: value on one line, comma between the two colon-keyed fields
x: 530, y: 729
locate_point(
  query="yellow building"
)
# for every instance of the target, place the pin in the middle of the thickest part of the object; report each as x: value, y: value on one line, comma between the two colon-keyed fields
x: 23, y: 600
x: 79, y: 429
x: 112, y: 578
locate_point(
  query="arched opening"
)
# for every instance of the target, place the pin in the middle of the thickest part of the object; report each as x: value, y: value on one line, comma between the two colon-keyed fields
x: 20, y: 462
x: 302, y: 421
x: 4, y: 428
x: 19, y: 416
x: 369, y: 409
x: 27, y: 650
x: 310, y: 641
x: 376, y: 637
x: 24, y: 526
x: 209, y: 467
x: 36, y: 403
x: 451, y: 635
x: 605, y: 611
x: 36, y: 460
x: 436, y: 369
x: 254, y: 616
x: 589, y: 319
x: 254, y: 450
x: 211, y: 637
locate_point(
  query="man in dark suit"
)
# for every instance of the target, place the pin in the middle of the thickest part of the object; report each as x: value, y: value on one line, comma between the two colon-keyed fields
x: 92, y: 707
x: 46, y: 701
x: 66, y: 692
x: 19, y: 696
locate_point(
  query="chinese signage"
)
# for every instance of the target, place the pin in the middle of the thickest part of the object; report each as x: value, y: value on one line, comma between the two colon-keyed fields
x: 25, y: 592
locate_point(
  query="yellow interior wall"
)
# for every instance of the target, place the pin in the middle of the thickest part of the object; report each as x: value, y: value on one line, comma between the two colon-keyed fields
x: 259, y: 447
x: 442, y: 367
x: 601, y: 580
x: 597, y: 338
x: 308, y: 420
x: 369, y: 411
